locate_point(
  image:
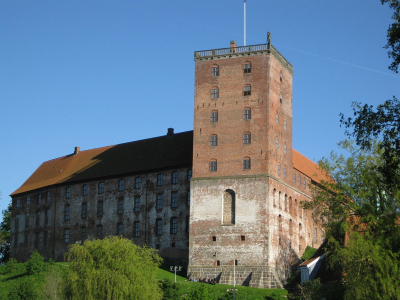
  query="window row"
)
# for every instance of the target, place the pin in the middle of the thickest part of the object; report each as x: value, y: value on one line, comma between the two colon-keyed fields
x: 214, y: 139
x: 37, y: 219
x: 246, y: 91
x: 38, y: 199
x: 246, y: 164
x: 121, y: 205
x: 246, y: 115
x: 286, y: 203
x: 121, y: 184
x: 247, y: 69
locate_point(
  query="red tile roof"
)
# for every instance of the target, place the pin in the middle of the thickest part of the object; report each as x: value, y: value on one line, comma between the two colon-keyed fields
x: 307, y: 167
x: 134, y: 157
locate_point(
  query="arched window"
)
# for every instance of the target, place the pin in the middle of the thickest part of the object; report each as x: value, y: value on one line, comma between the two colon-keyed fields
x: 274, y: 197
x: 228, y: 214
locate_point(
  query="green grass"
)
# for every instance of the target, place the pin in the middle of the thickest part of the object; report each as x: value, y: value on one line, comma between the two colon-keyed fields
x: 218, y: 291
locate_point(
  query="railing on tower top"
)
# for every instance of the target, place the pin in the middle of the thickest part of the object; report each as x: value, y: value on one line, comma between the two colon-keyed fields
x: 231, y: 50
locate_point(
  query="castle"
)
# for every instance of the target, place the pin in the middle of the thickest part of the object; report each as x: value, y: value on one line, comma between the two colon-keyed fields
x: 223, y: 199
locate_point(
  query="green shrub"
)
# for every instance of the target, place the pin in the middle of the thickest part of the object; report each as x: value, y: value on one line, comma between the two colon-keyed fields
x: 11, y: 266
x: 170, y: 290
x: 308, y: 253
x: 26, y: 290
x: 35, y: 264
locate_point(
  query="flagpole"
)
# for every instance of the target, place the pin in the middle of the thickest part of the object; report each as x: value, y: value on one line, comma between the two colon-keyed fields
x: 244, y: 22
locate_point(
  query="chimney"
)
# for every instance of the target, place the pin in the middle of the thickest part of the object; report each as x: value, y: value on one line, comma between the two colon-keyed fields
x: 170, y: 132
x: 77, y: 149
x: 233, y: 46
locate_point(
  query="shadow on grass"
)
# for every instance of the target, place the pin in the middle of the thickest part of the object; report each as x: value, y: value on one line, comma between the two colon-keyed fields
x: 15, y: 277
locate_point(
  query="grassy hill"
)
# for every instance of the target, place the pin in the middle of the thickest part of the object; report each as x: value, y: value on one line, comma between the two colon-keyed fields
x: 47, y: 283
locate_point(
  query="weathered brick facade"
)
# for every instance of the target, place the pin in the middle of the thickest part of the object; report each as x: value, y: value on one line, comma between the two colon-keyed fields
x: 242, y: 204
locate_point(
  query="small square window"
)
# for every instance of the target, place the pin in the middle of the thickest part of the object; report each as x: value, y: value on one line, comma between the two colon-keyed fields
x: 214, y: 93
x: 120, y: 206
x: 175, y: 177
x: 246, y: 138
x: 137, y: 204
x: 242, y: 238
x: 174, y: 199
x: 213, y: 141
x: 84, y: 210
x: 214, y: 116
x: 174, y: 225
x: 215, y: 71
x: 214, y: 238
x: 136, y: 229
x: 100, y: 209
x: 101, y: 188
x: 247, y: 90
x: 160, y: 179
x: 159, y: 227
x: 213, y: 165
x: 159, y: 202
x: 246, y: 164
x: 138, y: 183
x: 247, y: 114
x: 247, y: 68
x: 121, y: 185
x: 85, y: 189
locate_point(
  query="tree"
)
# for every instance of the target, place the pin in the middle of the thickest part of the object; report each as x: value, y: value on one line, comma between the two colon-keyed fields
x: 393, y: 34
x: 5, y: 229
x: 112, y: 268
x: 361, y: 215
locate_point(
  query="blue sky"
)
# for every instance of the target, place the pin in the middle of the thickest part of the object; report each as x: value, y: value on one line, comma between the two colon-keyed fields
x: 98, y: 73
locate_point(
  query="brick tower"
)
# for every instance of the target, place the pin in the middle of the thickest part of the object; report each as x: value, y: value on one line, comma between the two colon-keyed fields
x: 242, y: 154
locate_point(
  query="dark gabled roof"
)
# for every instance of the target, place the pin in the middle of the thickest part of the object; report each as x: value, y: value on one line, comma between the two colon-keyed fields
x: 134, y: 157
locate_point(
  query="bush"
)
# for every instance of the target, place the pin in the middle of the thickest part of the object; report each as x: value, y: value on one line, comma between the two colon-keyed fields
x: 26, y: 290
x: 35, y: 264
x: 11, y: 266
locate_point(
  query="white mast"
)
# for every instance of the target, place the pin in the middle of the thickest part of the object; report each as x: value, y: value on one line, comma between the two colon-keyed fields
x: 244, y: 22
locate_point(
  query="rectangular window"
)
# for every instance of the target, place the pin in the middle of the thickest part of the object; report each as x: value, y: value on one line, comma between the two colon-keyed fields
x: 213, y: 141
x: 66, y: 235
x: 174, y: 225
x: 99, y: 231
x: 18, y: 203
x: 299, y: 180
x: 188, y: 197
x: 67, y: 212
x: 247, y: 114
x: 39, y: 198
x: 46, y: 216
x: 101, y: 188
x: 138, y: 183
x: 68, y: 192
x: 247, y: 90
x: 160, y: 179
x: 100, y: 209
x: 120, y: 206
x: 36, y: 240
x: 27, y: 220
x: 160, y: 199
x: 213, y: 165
x: 37, y: 218
x: 175, y: 176
x: 120, y: 229
x: 28, y: 201
x: 45, y: 238
x: 84, y: 233
x: 48, y: 196
x: 246, y: 138
x: 174, y: 199
x: 304, y: 183
x: 214, y: 116
x: 189, y: 175
x: 136, y: 228
x: 84, y: 210
x: 85, y: 189
x: 159, y: 226
x: 121, y: 185
x: 294, y: 178
x: 247, y: 68
x: 137, y: 204
x: 215, y: 71
x: 214, y: 93
x: 246, y: 164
